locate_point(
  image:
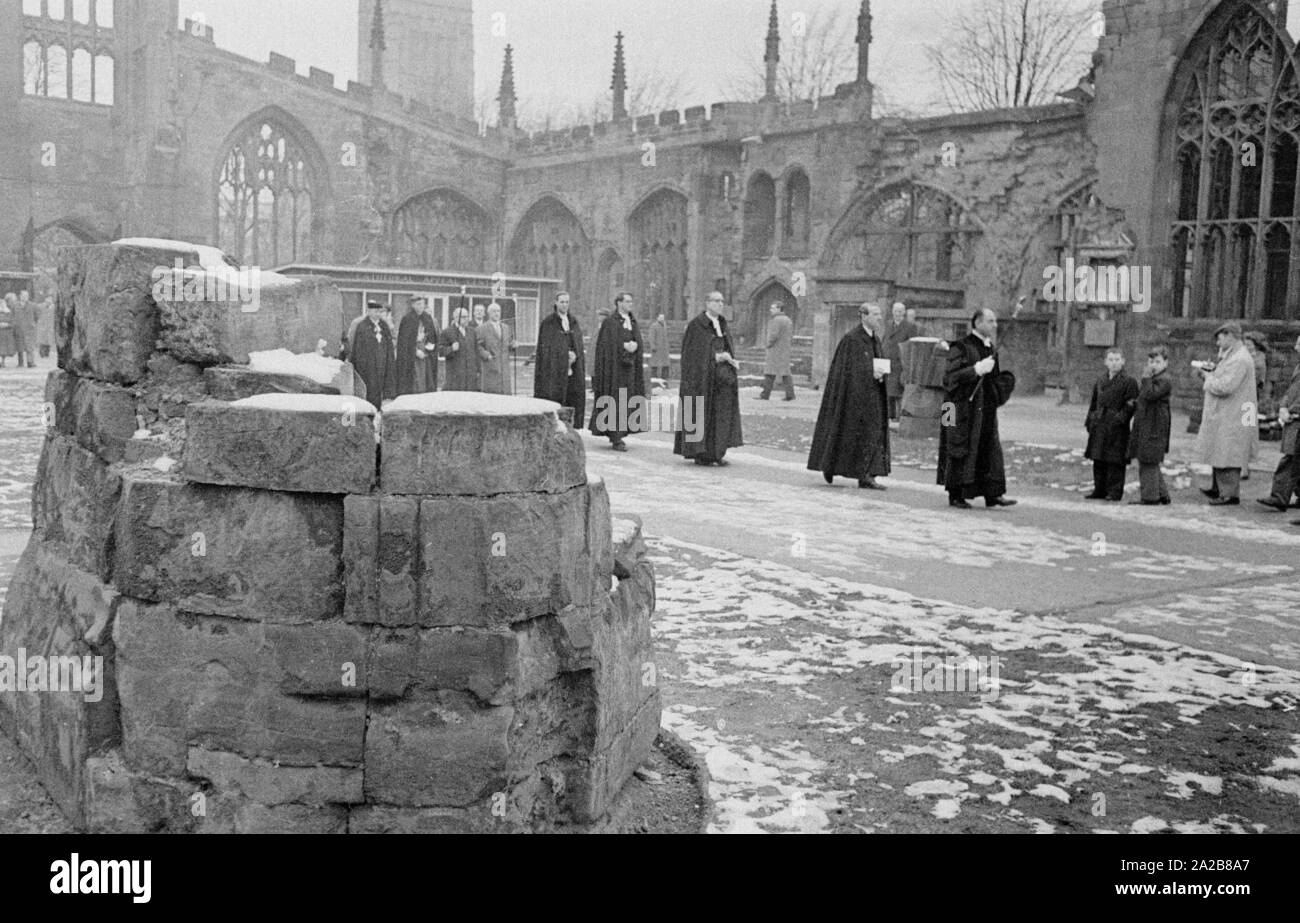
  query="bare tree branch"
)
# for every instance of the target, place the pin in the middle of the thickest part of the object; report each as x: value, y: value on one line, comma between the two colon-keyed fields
x: 812, y: 64
x: 1012, y: 53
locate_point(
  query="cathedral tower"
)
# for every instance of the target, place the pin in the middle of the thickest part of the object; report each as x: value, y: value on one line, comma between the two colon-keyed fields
x: 428, y: 51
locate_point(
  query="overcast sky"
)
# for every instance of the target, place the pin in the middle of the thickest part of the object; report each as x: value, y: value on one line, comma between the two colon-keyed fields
x: 564, y: 48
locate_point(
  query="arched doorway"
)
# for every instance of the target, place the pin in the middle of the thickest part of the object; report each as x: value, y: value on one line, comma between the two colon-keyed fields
x: 754, y: 330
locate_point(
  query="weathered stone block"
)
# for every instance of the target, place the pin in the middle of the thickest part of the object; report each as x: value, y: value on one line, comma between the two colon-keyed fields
x: 382, y: 818
x: 74, y: 502
x: 595, y: 783
x: 234, y: 552
x: 307, y: 443
x: 399, y: 561
x: 190, y: 680
x: 270, y: 784
x: 236, y: 382
x: 286, y: 313
x: 483, y: 662
x: 507, y: 558
x: 170, y: 387
x: 57, y: 615
x: 119, y: 800
x: 361, y: 559
x: 455, y: 444
x: 436, y: 750
x: 106, y: 320
x: 327, y: 659
x: 101, y: 417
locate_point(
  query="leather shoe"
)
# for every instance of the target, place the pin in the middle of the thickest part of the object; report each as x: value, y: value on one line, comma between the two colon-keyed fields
x: 999, y: 501
x: 1144, y: 503
x: 830, y: 478
x: 1094, y: 496
x: 619, y: 447
x: 1212, y: 494
x: 1272, y: 505
x: 959, y: 504
x: 722, y: 463
x: 1165, y: 501
x: 1226, y: 501
x: 870, y: 484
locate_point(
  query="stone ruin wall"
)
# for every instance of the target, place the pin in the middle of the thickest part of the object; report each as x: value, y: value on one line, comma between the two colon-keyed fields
x: 300, y: 633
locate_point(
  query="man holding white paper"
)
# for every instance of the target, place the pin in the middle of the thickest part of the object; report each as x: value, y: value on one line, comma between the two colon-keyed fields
x: 852, y: 435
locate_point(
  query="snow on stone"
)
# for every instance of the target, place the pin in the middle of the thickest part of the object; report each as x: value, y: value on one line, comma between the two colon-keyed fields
x: 321, y: 369
x: 1043, y: 790
x: 308, y: 403
x: 622, y: 530
x: 473, y: 403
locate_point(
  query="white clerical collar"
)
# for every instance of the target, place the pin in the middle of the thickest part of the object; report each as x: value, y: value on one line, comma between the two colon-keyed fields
x: 564, y: 322
x: 713, y: 319
x: 985, y: 340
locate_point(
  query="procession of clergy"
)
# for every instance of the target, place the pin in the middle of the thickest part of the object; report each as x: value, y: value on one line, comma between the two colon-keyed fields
x: 852, y: 435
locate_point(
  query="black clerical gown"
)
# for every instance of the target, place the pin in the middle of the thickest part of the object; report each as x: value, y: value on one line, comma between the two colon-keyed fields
x: 852, y: 435
x: 417, y: 374
x: 617, y: 376
x: 712, y: 383
x: 373, y: 354
x: 970, y: 452
x: 462, y: 363
x: 554, y: 379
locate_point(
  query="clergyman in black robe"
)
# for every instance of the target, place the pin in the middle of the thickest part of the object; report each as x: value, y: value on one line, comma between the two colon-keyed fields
x: 561, y: 371
x: 373, y: 354
x: 459, y: 346
x: 852, y: 435
x: 709, y: 390
x: 618, y: 376
x: 417, y: 351
x: 970, y: 451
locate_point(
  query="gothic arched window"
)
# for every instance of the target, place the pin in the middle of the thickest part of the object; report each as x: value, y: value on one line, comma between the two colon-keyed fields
x: 905, y: 232
x: 441, y: 230
x: 265, y: 198
x: 551, y: 243
x: 1235, y: 234
x: 760, y: 216
x: 657, y: 234
x: 796, y: 226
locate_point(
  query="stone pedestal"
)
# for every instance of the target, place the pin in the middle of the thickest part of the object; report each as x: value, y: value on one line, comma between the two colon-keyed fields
x: 287, y: 638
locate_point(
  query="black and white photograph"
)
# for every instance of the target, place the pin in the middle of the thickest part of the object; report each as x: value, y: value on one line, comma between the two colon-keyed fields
x: 651, y: 417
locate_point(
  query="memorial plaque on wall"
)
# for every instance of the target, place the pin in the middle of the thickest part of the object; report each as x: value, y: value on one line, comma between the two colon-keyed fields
x: 1099, y: 333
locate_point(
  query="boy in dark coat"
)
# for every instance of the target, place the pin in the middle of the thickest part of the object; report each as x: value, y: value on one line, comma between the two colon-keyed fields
x: 1114, y: 398
x: 852, y: 434
x: 1149, y: 440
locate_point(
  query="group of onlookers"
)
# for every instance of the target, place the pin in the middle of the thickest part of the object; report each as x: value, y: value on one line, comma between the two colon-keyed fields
x: 26, y: 328
x: 477, y: 349
x: 1130, y: 421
